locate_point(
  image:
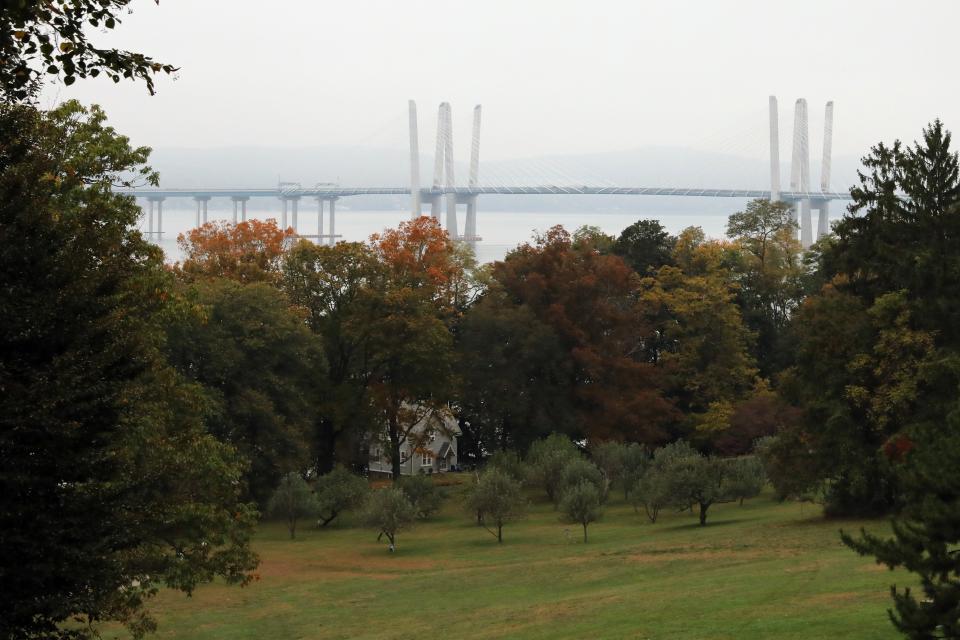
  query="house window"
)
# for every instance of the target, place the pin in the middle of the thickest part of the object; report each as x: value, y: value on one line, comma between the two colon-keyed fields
x: 427, y: 460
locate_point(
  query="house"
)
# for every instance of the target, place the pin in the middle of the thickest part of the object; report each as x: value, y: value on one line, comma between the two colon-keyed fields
x: 427, y: 450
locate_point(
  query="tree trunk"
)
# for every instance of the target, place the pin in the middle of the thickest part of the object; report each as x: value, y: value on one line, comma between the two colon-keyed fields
x: 292, y: 526
x: 584, y: 532
x: 500, y: 533
x: 326, y: 446
x: 394, y: 447
x: 703, y: 513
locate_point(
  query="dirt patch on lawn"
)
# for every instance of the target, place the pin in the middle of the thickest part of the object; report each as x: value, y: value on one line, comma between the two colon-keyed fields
x: 834, y: 599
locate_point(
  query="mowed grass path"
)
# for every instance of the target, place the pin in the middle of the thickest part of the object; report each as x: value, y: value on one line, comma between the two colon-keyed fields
x: 763, y: 570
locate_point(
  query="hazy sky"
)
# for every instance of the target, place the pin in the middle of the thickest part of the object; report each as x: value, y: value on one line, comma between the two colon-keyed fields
x: 553, y: 76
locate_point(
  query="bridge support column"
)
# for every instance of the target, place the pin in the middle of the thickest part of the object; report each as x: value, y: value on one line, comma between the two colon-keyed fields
x: 159, y: 202
x: 470, y: 227
x: 283, y: 212
x: 150, y: 217
x: 294, y: 202
x: 806, y: 224
x: 823, y: 221
x: 234, y: 210
x: 319, y: 220
x: 202, y: 209
x: 452, y: 216
x: 333, y: 221
x: 435, y: 203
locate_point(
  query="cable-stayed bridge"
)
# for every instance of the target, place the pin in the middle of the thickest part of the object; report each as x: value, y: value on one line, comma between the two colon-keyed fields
x: 445, y: 195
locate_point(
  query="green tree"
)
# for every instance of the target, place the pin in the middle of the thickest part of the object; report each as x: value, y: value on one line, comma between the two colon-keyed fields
x: 110, y: 485
x: 389, y: 511
x: 338, y: 288
x: 579, y: 470
x: 292, y: 500
x: 651, y: 491
x: 636, y: 460
x: 925, y: 533
x: 690, y: 478
x: 548, y: 458
x: 645, y: 246
x: 767, y: 268
x: 425, y: 496
x: 608, y: 456
x: 51, y: 37
x: 338, y: 491
x: 509, y: 463
x: 581, y: 505
x: 744, y: 477
x: 260, y: 365
x: 499, y: 498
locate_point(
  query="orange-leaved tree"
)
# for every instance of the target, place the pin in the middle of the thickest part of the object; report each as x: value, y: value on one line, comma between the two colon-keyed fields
x: 411, y: 349
x: 247, y: 252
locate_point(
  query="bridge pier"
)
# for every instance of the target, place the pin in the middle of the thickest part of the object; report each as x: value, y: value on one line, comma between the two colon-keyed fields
x: 319, y: 220
x: 823, y: 222
x: 201, y: 209
x: 240, y: 201
x: 470, y: 227
x: 333, y: 221
x: 294, y: 202
x: 159, y: 200
x: 435, y: 204
x: 452, y: 216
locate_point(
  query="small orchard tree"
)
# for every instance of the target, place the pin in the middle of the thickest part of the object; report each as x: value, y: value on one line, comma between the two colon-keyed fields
x: 581, y: 505
x: 508, y: 462
x: 499, y: 497
x: 338, y: 491
x: 692, y: 478
x: 292, y: 501
x: 652, y: 493
x: 635, y: 461
x: 548, y: 458
x: 744, y: 477
x: 577, y: 471
x: 422, y: 493
x: 608, y: 456
x: 389, y: 511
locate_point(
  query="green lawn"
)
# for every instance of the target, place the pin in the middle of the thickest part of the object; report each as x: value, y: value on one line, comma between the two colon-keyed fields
x: 763, y: 570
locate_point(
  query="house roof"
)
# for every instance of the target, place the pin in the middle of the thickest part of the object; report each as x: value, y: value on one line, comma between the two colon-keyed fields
x: 445, y: 450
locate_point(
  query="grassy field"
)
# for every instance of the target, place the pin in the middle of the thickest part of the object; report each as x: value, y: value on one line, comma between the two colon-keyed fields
x: 763, y: 570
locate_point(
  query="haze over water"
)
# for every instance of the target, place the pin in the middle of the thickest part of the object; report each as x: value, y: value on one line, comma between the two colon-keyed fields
x: 501, y: 230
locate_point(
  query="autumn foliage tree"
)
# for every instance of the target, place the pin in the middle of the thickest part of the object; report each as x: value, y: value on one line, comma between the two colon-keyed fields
x: 590, y: 301
x: 249, y: 251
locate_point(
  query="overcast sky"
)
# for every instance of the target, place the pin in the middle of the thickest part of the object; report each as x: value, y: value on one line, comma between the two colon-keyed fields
x: 553, y: 76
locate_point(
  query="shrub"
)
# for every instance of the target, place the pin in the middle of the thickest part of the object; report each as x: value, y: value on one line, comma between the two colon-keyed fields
x: 548, y: 458
x: 578, y: 471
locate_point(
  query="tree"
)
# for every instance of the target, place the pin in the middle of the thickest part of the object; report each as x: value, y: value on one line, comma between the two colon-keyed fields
x: 762, y: 414
x: 499, y: 498
x: 579, y: 470
x: 636, y: 460
x: 767, y: 268
x: 246, y: 252
x: 515, y: 374
x: 509, y: 463
x: 590, y: 301
x: 292, y: 500
x: 389, y: 512
x: 51, y: 37
x: 103, y: 446
x: 338, y: 288
x: 548, y: 458
x: 411, y: 352
x: 608, y: 457
x: 690, y: 478
x: 259, y: 364
x: 581, y: 505
x: 925, y: 532
x: 422, y: 493
x: 338, y: 491
x: 645, y: 246
x: 744, y: 477
x: 652, y: 491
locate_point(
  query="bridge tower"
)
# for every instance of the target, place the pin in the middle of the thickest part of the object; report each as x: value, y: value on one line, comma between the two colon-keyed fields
x: 414, y: 163
x: 774, y: 150
x: 823, y: 222
x: 470, y: 228
x: 800, y: 170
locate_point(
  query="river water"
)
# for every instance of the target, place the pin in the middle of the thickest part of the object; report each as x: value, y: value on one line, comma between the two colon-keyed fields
x: 501, y: 230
